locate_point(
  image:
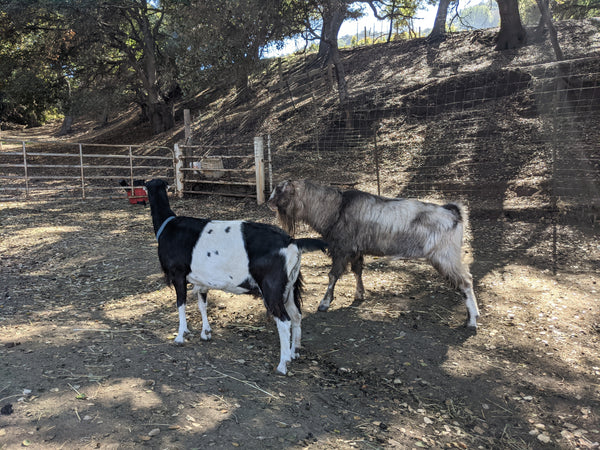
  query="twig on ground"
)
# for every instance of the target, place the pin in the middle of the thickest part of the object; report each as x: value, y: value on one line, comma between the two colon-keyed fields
x: 109, y: 330
x: 76, y: 391
x: 10, y: 396
x: 254, y: 386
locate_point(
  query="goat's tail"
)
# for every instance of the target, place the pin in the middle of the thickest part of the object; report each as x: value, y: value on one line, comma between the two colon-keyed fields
x: 311, y: 245
x: 459, y: 210
x: 298, y: 290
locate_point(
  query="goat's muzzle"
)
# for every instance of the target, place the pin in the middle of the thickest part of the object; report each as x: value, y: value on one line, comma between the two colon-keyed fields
x: 272, y: 204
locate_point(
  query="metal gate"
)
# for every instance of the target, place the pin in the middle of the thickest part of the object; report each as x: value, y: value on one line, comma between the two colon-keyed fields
x: 39, y: 169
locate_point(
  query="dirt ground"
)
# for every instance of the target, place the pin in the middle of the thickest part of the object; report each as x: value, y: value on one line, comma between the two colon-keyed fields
x: 88, y: 359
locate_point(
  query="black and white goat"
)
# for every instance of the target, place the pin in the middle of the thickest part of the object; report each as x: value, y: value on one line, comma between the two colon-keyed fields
x: 355, y: 223
x: 234, y: 256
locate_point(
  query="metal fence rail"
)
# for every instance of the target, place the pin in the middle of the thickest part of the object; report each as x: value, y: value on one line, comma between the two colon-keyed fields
x: 36, y: 168
x: 32, y: 169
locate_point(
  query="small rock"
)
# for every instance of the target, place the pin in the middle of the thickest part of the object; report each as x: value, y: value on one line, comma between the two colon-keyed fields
x: 544, y: 438
x: 154, y: 432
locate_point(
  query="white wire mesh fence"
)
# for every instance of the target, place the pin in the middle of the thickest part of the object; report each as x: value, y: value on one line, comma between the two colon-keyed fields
x: 517, y: 141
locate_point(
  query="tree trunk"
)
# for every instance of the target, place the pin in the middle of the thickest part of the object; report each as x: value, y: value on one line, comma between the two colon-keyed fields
x: 543, y: 5
x: 65, y: 128
x: 392, y: 17
x: 160, y: 115
x: 438, y: 32
x: 334, y: 13
x: 342, y: 87
x: 67, y: 109
x: 242, y: 89
x: 512, y: 34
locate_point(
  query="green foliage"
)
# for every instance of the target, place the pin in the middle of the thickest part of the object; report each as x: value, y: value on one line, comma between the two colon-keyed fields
x: 482, y: 15
x: 575, y: 9
x: 560, y: 10
x: 32, y: 55
x: 82, y: 57
x: 222, y: 41
x: 529, y: 12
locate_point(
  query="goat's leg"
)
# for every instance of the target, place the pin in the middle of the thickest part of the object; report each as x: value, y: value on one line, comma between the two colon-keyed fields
x: 206, y: 330
x: 470, y: 301
x: 357, y: 266
x: 283, y: 327
x: 453, y: 269
x: 296, y: 319
x: 272, y: 286
x: 180, y: 285
x: 338, y: 266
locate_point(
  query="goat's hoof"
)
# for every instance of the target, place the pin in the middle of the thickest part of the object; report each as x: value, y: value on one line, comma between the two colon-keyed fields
x: 472, y: 322
x: 323, y: 308
x: 281, y: 369
x: 206, y: 336
x: 179, y: 342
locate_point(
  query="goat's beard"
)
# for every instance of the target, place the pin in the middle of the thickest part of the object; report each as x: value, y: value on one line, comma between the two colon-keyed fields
x: 287, y: 221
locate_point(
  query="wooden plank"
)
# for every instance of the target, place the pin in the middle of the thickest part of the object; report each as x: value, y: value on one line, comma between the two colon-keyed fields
x: 222, y: 183
x: 259, y: 164
x: 226, y: 194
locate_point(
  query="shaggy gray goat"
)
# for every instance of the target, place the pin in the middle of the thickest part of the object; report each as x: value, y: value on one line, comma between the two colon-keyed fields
x: 356, y: 223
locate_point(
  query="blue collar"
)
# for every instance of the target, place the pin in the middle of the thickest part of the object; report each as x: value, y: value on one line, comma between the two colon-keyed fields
x: 162, y: 227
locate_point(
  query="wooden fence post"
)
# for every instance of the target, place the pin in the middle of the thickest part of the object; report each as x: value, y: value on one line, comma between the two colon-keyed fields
x: 259, y: 164
x: 270, y: 163
x: 131, y: 169
x: 26, y: 171
x: 178, y: 165
x: 81, y: 166
x: 187, y: 123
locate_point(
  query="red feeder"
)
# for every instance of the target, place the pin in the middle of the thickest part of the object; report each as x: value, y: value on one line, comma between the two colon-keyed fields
x: 139, y: 196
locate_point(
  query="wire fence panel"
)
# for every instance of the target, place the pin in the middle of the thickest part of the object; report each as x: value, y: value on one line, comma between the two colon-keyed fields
x: 498, y: 139
x: 227, y: 170
x: 54, y: 169
x: 515, y: 144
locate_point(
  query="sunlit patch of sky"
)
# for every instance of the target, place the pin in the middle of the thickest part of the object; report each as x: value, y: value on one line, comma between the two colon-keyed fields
x: 424, y: 20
